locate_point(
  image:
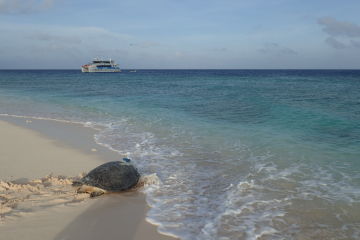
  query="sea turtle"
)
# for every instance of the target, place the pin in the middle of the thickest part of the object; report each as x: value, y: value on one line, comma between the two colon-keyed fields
x: 113, y: 176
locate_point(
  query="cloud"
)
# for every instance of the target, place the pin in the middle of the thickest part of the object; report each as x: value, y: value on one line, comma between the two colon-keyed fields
x: 341, y: 34
x: 334, y: 27
x: 355, y: 44
x: 49, y: 37
x: 147, y: 44
x: 219, y: 49
x: 335, y: 43
x: 55, y: 46
x: 276, y: 49
x: 179, y: 54
x: 24, y: 6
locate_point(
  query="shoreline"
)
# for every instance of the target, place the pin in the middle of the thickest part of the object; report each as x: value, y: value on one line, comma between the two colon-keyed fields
x: 34, y: 148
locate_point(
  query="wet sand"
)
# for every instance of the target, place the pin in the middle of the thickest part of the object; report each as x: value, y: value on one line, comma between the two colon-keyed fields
x: 32, y: 149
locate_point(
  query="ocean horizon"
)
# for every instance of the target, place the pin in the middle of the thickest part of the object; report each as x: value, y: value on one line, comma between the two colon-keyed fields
x: 240, y: 153
x: 185, y: 69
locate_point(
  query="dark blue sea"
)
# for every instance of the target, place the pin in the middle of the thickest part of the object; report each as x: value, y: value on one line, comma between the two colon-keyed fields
x: 240, y: 154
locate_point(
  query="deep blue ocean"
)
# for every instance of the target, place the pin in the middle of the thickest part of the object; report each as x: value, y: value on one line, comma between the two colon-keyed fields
x: 241, y: 154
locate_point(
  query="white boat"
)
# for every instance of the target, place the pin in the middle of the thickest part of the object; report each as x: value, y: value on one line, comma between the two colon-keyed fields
x: 99, y: 65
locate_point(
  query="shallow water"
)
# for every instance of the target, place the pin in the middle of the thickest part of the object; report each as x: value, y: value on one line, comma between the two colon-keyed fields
x: 240, y: 154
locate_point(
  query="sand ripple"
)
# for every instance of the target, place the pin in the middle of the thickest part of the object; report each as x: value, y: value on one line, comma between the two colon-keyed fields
x: 24, y: 196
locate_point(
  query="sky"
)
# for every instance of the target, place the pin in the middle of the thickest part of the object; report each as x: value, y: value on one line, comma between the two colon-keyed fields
x: 181, y: 34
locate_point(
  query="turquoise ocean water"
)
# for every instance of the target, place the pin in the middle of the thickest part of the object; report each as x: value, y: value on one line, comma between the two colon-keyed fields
x: 241, y: 154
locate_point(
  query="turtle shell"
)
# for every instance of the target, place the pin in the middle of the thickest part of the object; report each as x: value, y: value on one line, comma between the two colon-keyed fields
x: 113, y: 176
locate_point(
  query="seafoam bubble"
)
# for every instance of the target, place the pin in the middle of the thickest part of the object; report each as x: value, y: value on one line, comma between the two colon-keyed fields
x: 151, y: 179
x: 88, y: 124
x: 246, y: 214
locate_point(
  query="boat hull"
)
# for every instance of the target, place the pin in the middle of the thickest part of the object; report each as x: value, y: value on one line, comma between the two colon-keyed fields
x: 98, y: 70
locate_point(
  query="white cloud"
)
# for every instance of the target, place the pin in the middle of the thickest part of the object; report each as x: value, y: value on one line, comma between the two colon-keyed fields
x: 219, y: 49
x: 24, y: 6
x: 147, y: 44
x: 58, y: 45
x: 50, y: 37
x: 334, y: 27
x: 276, y: 49
x: 341, y: 33
x: 179, y: 54
x: 335, y: 43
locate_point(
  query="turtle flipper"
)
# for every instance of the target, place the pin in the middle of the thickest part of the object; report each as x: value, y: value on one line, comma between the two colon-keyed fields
x: 96, y: 193
x: 93, y: 191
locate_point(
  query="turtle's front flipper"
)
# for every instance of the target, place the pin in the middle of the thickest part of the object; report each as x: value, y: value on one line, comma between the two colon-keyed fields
x: 96, y: 193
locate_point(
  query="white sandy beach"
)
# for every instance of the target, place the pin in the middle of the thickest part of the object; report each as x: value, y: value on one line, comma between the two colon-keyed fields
x: 38, y: 206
